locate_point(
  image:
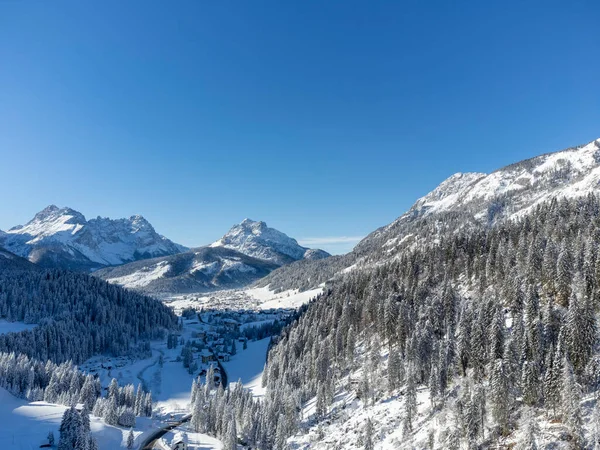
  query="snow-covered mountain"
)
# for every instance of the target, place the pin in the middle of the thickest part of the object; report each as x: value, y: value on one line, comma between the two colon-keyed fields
x: 487, y: 199
x: 62, y: 237
x: 256, y: 239
x: 247, y: 252
x: 198, y: 270
x: 441, y: 312
x: 463, y: 201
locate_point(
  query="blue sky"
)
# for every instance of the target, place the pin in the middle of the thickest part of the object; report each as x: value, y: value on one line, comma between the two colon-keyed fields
x: 324, y: 119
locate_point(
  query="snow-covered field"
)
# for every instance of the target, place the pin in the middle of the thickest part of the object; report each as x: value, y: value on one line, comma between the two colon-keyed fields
x: 14, y: 327
x: 247, y: 366
x: 282, y: 300
x: 142, y: 278
x: 243, y: 299
x: 25, y: 425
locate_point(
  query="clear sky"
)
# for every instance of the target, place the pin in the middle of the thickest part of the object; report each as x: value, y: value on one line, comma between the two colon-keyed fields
x: 326, y: 119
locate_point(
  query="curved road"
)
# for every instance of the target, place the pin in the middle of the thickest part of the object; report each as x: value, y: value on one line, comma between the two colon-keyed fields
x: 150, y: 441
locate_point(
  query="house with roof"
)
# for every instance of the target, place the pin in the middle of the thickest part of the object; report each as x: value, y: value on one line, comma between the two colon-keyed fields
x: 179, y: 442
x: 206, y: 356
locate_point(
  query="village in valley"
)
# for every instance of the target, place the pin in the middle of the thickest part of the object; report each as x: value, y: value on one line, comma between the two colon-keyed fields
x: 227, y: 342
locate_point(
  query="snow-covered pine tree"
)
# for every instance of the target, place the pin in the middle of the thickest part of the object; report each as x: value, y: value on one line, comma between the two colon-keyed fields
x: 130, y: 439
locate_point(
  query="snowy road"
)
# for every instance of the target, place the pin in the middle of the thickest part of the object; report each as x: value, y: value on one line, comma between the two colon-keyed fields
x: 151, y: 440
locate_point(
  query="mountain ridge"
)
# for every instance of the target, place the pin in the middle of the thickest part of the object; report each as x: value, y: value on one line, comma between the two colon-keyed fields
x: 257, y: 239
x: 463, y: 201
x: 62, y: 237
x: 248, y: 252
x: 503, y: 194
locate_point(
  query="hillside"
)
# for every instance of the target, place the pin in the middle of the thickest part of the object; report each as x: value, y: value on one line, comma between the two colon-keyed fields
x: 77, y: 315
x: 247, y: 252
x: 9, y: 260
x: 483, y: 339
x: 477, y: 199
x: 469, y: 322
x: 197, y: 270
x: 465, y: 202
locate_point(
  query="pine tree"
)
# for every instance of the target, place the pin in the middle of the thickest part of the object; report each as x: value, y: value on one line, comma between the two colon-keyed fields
x: 528, y: 437
x: 581, y: 332
x: 410, y: 401
x: 130, y: 439
x: 198, y: 416
x: 85, y: 419
x: 500, y: 396
x: 113, y: 389
x: 87, y: 395
x: 231, y: 437
x: 51, y: 438
x: 564, y: 275
x: 67, y: 430
x: 139, y: 401
x: 394, y: 369
x: 570, y: 407
x: 368, y: 435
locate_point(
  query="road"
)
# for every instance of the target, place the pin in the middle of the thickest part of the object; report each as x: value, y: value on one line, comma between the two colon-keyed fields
x: 224, y: 379
x: 150, y: 441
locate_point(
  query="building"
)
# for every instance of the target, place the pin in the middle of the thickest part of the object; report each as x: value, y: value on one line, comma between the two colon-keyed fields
x: 207, y: 356
x: 179, y: 442
x: 231, y: 324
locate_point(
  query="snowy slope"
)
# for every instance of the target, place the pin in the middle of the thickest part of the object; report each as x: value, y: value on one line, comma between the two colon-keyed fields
x: 256, y: 239
x: 487, y: 199
x: 198, y: 270
x: 25, y: 425
x: 62, y: 237
x: 248, y: 252
x: 345, y: 423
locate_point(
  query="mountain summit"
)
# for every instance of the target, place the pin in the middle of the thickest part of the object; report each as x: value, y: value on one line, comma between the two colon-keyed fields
x: 249, y: 251
x: 62, y: 237
x: 487, y: 199
x: 257, y: 240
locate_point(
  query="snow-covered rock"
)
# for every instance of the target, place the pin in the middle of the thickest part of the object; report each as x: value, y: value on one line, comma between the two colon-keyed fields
x: 256, y: 239
x: 488, y: 199
x: 62, y: 237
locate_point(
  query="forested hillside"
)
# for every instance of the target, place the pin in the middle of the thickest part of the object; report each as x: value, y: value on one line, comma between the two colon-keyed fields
x: 77, y: 315
x: 491, y: 322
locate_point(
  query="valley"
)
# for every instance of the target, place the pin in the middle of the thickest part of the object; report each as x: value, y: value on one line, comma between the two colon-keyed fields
x: 471, y: 319
x: 299, y: 225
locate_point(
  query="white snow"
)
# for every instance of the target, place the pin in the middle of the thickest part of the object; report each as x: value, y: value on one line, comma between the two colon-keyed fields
x: 101, y: 240
x: 256, y: 239
x: 196, y: 441
x: 14, y: 327
x: 286, y: 299
x: 247, y: 366
x: 207, y: 268
x: 25, y: 425
x: 142, y: 277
